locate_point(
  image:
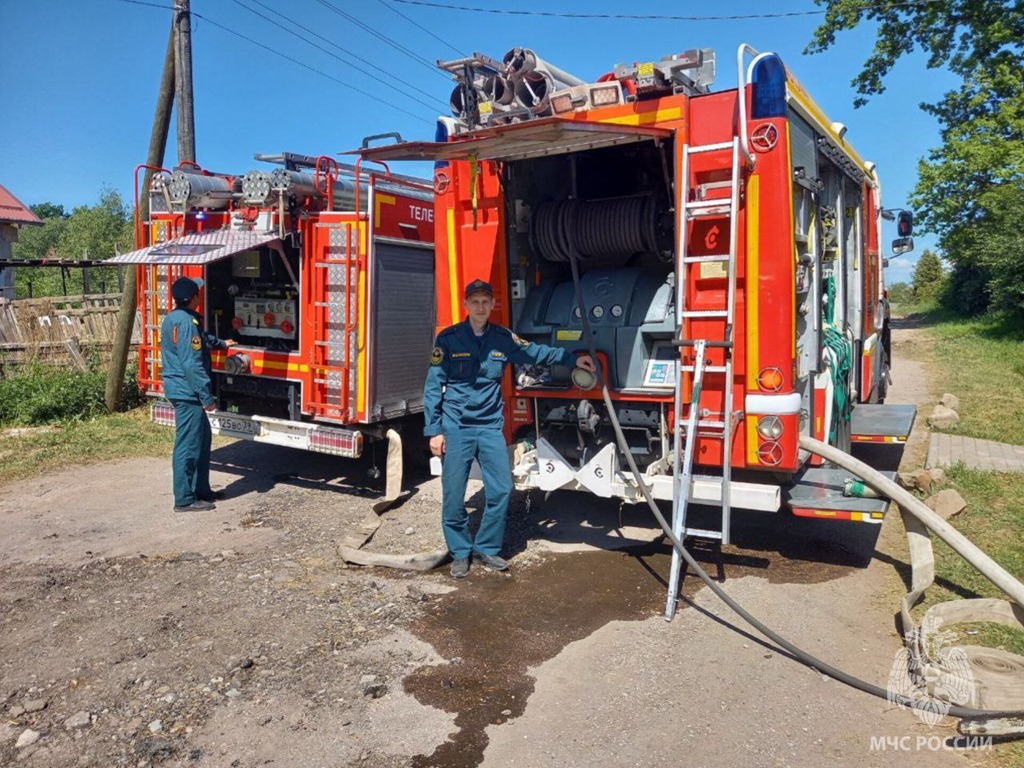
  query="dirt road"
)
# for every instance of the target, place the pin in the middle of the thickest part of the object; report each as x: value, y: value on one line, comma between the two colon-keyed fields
x: 133, y: 636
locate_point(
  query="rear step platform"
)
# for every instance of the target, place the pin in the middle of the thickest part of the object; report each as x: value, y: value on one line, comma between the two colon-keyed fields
x: 818, y: 493
x: 882, y: 423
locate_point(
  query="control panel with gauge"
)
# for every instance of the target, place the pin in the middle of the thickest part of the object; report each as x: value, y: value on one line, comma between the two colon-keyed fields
x: 631, y: 315
x: 253, y: 298
x: 269, y: 318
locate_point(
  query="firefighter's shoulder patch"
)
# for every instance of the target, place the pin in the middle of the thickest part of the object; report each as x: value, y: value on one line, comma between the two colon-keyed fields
x: 520, y: 341
x: 436, y: 356
x: 197, y: 343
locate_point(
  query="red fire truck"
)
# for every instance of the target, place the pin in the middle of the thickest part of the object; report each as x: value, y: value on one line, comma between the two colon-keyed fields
x: 324, y: 275
x: 728, y: 274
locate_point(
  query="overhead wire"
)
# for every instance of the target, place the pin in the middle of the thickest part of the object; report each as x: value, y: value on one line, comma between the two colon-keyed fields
x: 374, y: 75
x: 647, y: 16
x: 311, y: 68
x: 286, y: 57
x: 147, y: 5
x: 421, y: 27
x: 432, y: 66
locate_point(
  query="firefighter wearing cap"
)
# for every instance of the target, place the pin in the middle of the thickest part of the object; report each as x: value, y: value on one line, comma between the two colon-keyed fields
x: 185, y: 366
x: 463, y: 411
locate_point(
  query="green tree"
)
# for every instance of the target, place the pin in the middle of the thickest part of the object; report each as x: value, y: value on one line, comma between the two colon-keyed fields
x: 49, y: 210
x: 41, y: 242
x: 928, y: 275
x: 99, y: 231
x: 88, y: 232
x: 900, y: 293
x: 963, y: 35
x: 969, y: 189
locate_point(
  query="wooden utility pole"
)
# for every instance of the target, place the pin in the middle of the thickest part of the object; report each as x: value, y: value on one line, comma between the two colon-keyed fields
x: 126, y: 313
x: 183, y: 69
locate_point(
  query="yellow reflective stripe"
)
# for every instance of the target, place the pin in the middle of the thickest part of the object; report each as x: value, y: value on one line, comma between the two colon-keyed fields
x: 453, y: 274
x: 752, y: 441
x: 647, y: 118
x: 751, y: 283
x: 360, y: 331
x: 379, y: 199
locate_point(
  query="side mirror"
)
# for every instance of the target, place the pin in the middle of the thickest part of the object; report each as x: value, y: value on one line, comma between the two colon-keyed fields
x: 905, y: 224
x: 902, y: 245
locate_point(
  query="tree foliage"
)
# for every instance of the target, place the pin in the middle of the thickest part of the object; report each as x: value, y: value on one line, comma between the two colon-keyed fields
x: 928, y: 275
x: 970, y: 190
x: 89, y: 232
x: 963, y: 35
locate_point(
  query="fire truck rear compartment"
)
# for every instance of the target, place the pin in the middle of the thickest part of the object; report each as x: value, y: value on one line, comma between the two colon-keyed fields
x: 253, y: 298
x: 612, y: 207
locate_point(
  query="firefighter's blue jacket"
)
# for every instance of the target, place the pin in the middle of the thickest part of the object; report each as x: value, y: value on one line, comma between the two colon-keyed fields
x: 185, y: 357
x: 463, y: 386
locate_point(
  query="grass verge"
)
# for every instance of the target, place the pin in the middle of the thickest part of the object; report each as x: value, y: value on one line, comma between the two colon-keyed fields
x: 26, y: 453
x: 994, y: 520
x: 981, y: 361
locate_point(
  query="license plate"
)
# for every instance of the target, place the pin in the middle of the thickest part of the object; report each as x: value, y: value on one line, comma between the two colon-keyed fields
x: 235, y: 424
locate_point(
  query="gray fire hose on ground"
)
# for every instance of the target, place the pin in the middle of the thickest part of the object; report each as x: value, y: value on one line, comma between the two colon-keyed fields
x: 992, y: 677
x: 350, y: 548
x: 973, y: 721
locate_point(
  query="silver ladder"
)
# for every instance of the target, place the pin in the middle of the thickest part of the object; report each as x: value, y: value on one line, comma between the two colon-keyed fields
x: 696, y: 421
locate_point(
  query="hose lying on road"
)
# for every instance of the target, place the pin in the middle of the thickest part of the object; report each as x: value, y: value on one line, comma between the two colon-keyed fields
x: 351, y: 546
x: 988, y: 567
x: 977, y: 717
x: 987, y: 676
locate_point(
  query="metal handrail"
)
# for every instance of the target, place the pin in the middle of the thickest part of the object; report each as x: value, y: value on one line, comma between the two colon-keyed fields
x: 741, y: 97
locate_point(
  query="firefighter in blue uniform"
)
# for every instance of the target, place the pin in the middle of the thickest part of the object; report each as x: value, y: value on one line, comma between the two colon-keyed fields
x: 185, y: 366
x: 463, y: 411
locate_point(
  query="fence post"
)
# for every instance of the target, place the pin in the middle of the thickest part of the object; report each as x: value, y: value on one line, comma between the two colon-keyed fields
x: 85, y: 280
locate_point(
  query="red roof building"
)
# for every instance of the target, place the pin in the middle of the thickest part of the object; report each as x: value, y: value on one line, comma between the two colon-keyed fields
x: 13, y: 211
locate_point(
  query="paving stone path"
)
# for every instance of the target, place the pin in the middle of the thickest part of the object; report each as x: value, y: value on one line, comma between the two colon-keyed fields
x: 946, y: 450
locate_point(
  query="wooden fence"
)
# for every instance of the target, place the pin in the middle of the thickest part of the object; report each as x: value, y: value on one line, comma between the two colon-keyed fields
x: 59, y: 330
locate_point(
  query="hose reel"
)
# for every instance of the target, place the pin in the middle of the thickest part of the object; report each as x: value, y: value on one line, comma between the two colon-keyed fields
x: 598, y: 229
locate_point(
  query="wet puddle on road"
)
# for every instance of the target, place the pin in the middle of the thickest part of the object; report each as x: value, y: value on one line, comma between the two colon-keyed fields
x: 500, y: 626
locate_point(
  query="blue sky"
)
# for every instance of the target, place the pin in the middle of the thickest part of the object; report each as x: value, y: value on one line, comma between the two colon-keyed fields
x: 78, y: 79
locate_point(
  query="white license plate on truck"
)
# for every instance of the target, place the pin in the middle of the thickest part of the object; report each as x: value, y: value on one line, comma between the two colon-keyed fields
x: 238, y: 425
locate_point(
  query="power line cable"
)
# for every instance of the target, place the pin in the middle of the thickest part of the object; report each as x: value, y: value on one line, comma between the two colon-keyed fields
x: 432, y: 66
x: 148, y: 5
x: 420, y: 26
x: 375, y: 75
x: 285, y: 56
x: 645, y: 16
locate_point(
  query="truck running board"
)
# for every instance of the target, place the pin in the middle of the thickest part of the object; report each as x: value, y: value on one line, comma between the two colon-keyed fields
x: 819, y: 492
x: 890, y: 423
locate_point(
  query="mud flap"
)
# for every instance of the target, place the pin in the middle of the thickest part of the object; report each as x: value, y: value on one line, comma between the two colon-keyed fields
x: 350, y: 547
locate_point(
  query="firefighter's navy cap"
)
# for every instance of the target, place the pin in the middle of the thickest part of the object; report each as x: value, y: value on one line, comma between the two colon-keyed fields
x: 184, y: 288
x: 479, y: 286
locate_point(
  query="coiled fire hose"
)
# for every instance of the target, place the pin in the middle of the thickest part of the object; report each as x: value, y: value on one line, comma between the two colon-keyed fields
x: 972, y: 720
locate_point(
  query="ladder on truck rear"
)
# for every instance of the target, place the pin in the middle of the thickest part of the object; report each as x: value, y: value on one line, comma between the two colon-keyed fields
x: 690, y: 420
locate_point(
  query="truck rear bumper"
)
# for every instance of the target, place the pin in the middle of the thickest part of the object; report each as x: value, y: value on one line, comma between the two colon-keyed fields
x: 546, y: 469
x: 263, y: 429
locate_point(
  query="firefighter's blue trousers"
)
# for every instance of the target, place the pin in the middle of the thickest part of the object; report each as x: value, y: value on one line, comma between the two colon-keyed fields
x: 191, y: 462
x: 487, y: 446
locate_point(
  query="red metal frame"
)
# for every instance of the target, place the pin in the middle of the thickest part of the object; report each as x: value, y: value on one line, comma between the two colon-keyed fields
x: 471, y: 244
